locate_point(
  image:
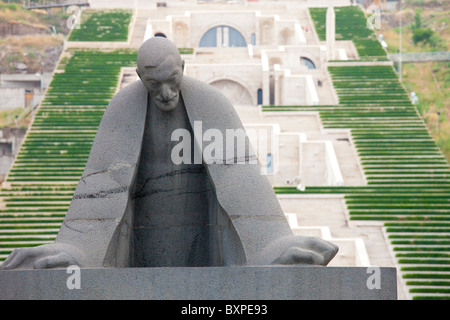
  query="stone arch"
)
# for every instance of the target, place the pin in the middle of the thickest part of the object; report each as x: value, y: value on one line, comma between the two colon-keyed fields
x: 308, y: 62
x: 237, y: 93
x: 160, y: 34
x: 273, y: 61
x: 213, y: 27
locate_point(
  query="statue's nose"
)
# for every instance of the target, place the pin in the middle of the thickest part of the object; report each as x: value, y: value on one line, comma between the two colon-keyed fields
x: 166, y: 93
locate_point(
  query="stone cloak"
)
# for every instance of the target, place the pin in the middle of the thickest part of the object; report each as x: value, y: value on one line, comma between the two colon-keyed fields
x: 100, y: 217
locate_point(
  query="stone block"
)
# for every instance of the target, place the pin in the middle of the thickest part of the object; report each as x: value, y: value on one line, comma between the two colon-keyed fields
x: 207, y: 283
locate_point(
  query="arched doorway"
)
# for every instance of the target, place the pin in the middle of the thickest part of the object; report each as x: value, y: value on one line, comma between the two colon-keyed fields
x: 260, y: 96
x: 222, y: 36
x: 234, y: 91
x: 273, y: 61
x: 160, y: 34
x: 307, y: 62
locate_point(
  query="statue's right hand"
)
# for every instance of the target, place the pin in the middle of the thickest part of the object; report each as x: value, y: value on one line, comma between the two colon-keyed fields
x: 56, y: 255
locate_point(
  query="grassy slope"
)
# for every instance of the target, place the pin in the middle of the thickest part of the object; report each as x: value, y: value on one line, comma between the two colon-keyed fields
x: 431, y: 80
x: 346, y: 18
x: 107, y: 25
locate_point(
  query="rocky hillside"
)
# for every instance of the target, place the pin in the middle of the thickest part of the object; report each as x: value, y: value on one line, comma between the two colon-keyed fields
x: 30, y: 41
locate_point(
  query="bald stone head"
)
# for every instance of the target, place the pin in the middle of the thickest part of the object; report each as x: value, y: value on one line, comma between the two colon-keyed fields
x: 160, y: 68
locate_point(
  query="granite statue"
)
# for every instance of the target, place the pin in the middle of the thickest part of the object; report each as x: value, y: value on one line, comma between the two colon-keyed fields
x: 134, y: 207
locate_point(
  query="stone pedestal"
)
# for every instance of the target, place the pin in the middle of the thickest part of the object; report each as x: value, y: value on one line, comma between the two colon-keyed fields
x: 212, y: 283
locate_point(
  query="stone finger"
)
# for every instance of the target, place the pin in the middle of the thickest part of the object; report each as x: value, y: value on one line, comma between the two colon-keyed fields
x: 60, y: 260
x: 295, y: 255
x: 17, y: 257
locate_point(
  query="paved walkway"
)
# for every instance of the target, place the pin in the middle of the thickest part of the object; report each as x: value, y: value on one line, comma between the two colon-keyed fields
x: 420, y: 56
x: 137, y: 36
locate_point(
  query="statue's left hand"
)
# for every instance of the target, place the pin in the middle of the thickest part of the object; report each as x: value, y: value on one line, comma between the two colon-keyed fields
x: 298, y: 250
x: 54, y: 255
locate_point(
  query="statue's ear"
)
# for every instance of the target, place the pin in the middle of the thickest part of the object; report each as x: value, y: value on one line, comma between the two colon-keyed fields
x: 137, y: 71
x: 182, y: 66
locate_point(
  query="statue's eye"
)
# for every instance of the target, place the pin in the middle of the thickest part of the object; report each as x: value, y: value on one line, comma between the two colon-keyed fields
x: 153, y: 83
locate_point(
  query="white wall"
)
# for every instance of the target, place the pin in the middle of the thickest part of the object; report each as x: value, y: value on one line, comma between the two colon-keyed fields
x: 247, y: 75
x: 11, y: 98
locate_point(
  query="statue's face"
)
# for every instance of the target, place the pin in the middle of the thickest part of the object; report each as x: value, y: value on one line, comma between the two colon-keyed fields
x: 163, y: 82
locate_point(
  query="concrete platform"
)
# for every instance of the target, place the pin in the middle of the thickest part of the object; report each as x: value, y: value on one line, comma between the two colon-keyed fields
x: 211, y: 283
